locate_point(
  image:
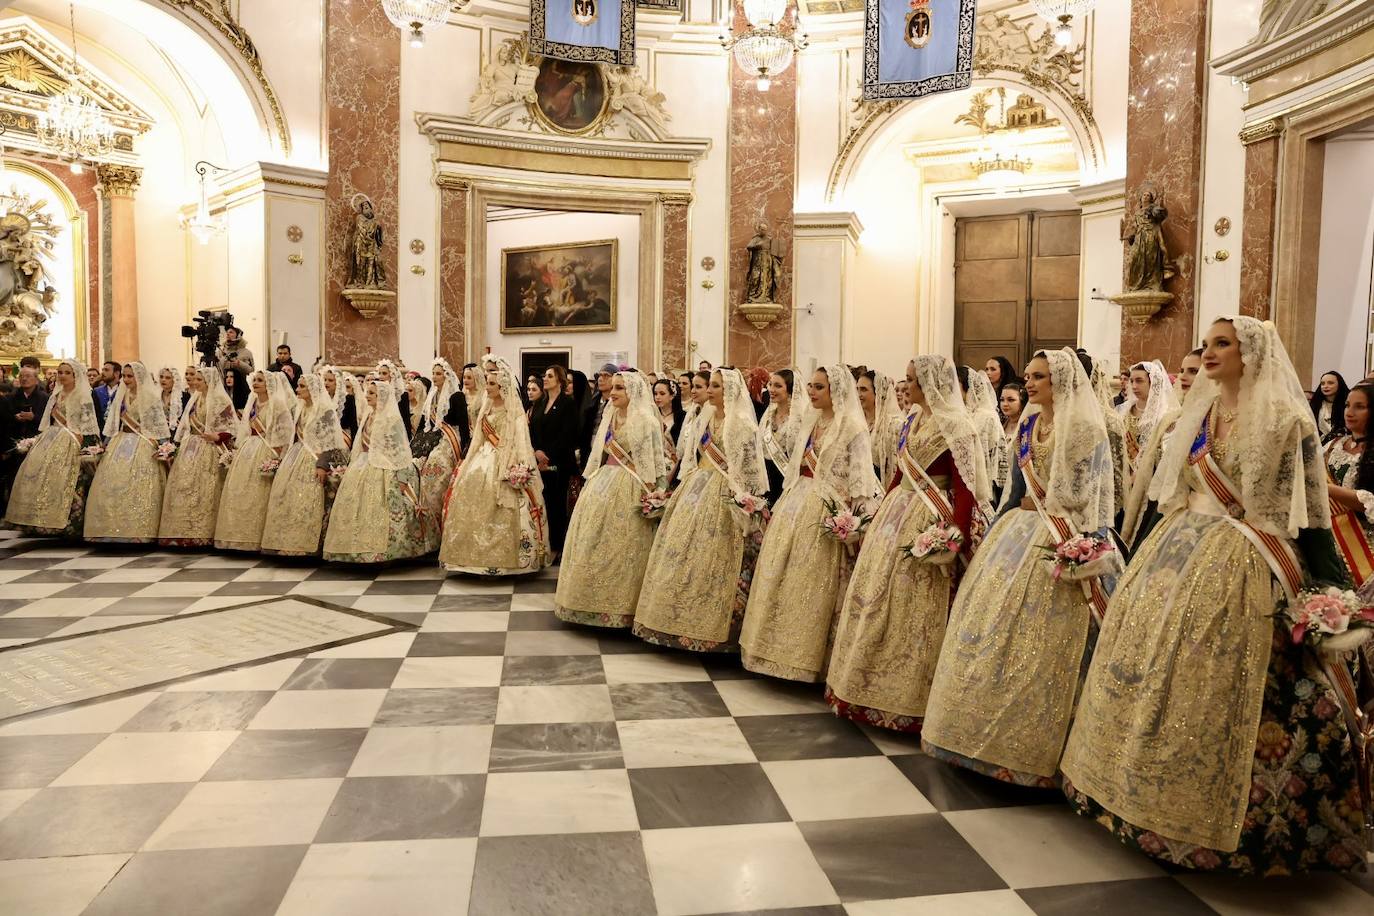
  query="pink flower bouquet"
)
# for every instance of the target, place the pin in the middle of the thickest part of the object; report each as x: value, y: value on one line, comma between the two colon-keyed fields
x: 842, y: 523
x: 166, y: 451
x: 1328, y: 618
x: 938, y: 544
x: 1084, y: 557
x: 269, y: 467
x: 750, y: 512
x: 23, y: 445
x: 518, y: 476
x: 226, y: 457
x: 93, y: 451
x: 651, y: 504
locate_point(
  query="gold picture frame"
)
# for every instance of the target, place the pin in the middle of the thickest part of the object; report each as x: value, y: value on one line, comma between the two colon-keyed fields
x: 571, y: 97
x: 561, y: 287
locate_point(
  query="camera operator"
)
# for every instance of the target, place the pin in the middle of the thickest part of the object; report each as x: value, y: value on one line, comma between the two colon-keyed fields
x: 235, y: 356
x: 286, y: 366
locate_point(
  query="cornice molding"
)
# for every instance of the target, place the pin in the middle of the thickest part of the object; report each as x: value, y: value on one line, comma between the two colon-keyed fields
x: 1261, y: 57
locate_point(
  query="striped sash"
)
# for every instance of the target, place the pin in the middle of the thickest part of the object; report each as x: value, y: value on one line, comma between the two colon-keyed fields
x: 133, y: 426
x: 1278, y: 553
x: 1059, y: 528
x: 613, y: 448
x: 60, y: 418
x: 536, y: 513
x: 930, y: 494
x: 1349, y: 534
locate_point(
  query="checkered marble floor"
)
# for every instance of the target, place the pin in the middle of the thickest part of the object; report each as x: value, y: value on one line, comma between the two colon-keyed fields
x: 496, y: 761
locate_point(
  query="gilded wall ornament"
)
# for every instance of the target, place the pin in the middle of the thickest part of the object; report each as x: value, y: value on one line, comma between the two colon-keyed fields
x: 417, y: 246
x: 294, y: 234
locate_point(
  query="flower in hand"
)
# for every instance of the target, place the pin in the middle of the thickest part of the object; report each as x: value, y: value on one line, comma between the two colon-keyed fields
x: 518, y: 476
x: 651, y: 504
x: 166, y: 451
x: 1083, y: 557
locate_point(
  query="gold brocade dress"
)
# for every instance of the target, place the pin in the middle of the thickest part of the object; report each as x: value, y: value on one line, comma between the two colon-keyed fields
x: 1202, y: 738
x: 482, y: 534
x: 436, y: 476
x: 1004, y: 688
x: 190, y: 504
x: 125, y: 504
x: 606, y: 550
x: 799, y: 582
x: 375, y: 516
x: 298, y: 509
x: 49, y: 492
x: 892, y: 623
x: 696, y: 582
x: 243, y: 506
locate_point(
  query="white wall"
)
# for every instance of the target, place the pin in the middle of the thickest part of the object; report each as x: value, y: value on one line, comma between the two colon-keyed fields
x: 1343, y: 266
x: 552, y: 228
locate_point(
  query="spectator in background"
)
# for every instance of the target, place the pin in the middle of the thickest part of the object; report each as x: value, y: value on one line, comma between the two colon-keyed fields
x: 235, y: 357
x: 591, y: 414
x: 704, y: 366
x: 109, y: 380
x: 19, y: 417
x: 287, y: 366
x: 553, y: 436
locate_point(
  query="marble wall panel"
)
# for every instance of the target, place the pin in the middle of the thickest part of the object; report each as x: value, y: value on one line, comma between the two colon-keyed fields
x: 1258, y: 227
x: 763, y: 179
x: 362, y: 101
x: 1164, y: 147
x: 675, y: 278
x: 453, y: 268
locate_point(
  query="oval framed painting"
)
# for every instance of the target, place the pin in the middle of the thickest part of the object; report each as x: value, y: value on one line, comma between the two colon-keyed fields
x: 570, y: 96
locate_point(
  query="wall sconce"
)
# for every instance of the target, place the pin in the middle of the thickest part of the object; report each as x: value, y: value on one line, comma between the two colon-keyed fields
x: 295, y: 259
x: 417, y: 270
x: 204, y: 226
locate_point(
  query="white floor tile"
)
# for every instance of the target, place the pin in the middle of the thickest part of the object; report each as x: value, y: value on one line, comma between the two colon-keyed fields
x: 594, y: 801
x: 766, y: 697
x: 730, y: 869
x: 58, y: 886
x: 844, y: 787
x: 267, y: 676
x: 682, y: 742
x: 450, y: 671
x: 552, y: 642
x: 583, y: 703
x: 319, y: 709
x: 423, y: 751
x: 97, y: 718
x: 398, y: 878
x: 977, y: 903
x: 58, y: 607
x: 135, y: 757
x: 392, y: 645
x: 270, y: 812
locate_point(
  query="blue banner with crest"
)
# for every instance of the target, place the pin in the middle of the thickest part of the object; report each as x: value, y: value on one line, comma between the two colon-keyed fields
x: 915, y: 48
x: 595, y: 31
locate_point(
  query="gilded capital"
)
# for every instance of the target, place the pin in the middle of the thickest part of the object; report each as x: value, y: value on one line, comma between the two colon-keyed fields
x: 453, y: 182
x: 1261, y: 130
x: 118, y: 180
x: 671, y: 199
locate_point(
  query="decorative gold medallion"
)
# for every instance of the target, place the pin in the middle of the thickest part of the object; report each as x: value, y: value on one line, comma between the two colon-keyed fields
x: 417, y: 246
x: 584, y: 12
x: 918, y: 24
x: 294, y: 234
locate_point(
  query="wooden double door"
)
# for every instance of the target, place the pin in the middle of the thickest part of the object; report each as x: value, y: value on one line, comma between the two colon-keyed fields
x: 1016, y: 285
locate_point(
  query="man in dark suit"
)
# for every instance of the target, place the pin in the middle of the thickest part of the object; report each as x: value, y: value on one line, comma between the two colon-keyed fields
x: 286, y: 366
x: 591, y: 417
x: 19, y: 417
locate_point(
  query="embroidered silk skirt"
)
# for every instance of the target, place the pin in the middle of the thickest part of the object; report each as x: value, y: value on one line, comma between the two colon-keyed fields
x: 49, y: 492
x: 243, y: 501
x: 190, y: 504
x: 607, y: 550
x: 125, y: 504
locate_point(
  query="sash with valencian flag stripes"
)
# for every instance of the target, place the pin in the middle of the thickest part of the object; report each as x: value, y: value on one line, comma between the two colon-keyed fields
x: 1349, y: 534
x: 1059, y: 528
x: 536, y: 512
x: 1278, y: 553
x: 930, y: 494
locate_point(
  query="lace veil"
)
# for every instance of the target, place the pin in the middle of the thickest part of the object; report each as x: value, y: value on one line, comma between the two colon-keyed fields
x: 214, y: 403
x: 1081, y: 481
x: 278, y: 419
x: 174, y: 408
x: 778, y: 445
x: 982, y: 407
x: 940, y: 385
x: 144, y: 406
x: 355, y: 386
x: 1160, y: 402
x: 512, y: 427
x: 1282, y: 473
x: 318, y: 424
x: 844, y: 456
x: 340, y: 388
x: 742, y: 446
x: 639, y: 434
x: 388, y: 447
x: 435, y: 408
x: 77, y: 407
x: 887, y: 425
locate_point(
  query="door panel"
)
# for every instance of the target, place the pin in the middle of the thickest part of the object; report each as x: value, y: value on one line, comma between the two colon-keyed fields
x: 1054, y: 279
x: 990, y: 288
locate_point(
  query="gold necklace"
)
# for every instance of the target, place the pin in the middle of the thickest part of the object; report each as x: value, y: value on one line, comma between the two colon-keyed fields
x: 1227, y: 416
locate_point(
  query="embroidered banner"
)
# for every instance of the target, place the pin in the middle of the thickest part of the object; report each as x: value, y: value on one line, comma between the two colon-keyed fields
x: 915, y: 48
x: 594, y: 31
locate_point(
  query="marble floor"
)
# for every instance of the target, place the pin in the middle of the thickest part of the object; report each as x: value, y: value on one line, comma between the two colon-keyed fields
x: 490, y: 760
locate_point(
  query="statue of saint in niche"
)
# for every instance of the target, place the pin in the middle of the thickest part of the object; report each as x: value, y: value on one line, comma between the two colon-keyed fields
x: 1146, y: 256
x: 765, y: 266
x: 366, y: 270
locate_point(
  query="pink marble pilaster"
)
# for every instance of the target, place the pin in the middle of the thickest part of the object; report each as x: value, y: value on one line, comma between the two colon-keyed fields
x: 1164, y: 148
x: 453, y: 266
x: 362, y: 102
x: 675, y: 274
x: 763, y: 155
x: 1258, y: 226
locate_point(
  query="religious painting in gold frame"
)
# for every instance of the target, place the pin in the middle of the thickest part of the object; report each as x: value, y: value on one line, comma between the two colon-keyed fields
x: 570, y: 96
x: 562, y: 287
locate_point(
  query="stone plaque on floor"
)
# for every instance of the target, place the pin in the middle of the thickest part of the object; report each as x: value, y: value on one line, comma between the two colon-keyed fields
x: 76, y: 669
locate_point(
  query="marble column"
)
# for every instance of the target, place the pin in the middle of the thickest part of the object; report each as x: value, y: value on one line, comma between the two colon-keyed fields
x: 673, y: 347
x: 453, y: 270
x: 117, y: 184
x: 1164, y: 136
x: 362, y: 59
x: 763, y: 178
x: 1259, y: 221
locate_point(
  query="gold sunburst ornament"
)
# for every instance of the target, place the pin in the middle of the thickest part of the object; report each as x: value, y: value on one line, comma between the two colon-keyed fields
x: 20, y: 70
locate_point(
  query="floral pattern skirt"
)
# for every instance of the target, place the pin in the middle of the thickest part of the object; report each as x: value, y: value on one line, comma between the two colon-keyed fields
x: 243, y: 502
x: 607, y: 549
x: 190, y: 504
x: 125, y: 503
x: 699, y: 564
x: 484, y: 534
x: 375, y: 516
x: 294, y: 526
x: 49, y: 493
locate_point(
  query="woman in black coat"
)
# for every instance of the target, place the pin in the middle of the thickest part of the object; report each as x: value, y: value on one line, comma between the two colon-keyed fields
x: 553, y: 433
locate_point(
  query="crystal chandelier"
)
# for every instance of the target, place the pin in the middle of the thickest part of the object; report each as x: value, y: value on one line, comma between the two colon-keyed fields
x: 204, y: 226
x: 1062, y: 13
x: 765, y: 48
x: 998, y: 161
x: 74, y: 127
x: 416, y: 15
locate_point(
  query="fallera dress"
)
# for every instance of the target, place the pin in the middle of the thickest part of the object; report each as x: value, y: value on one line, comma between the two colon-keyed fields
x: 49, y: 492
x: 125, y: 503
x: 190, y: 505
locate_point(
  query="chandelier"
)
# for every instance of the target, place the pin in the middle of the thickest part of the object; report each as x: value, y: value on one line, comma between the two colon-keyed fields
x: 74, y: 127
x: 998, y: 162
x: 1062, y: 12
x: 416, y: 15
x: 204, y: 226
x: 765, y: 48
